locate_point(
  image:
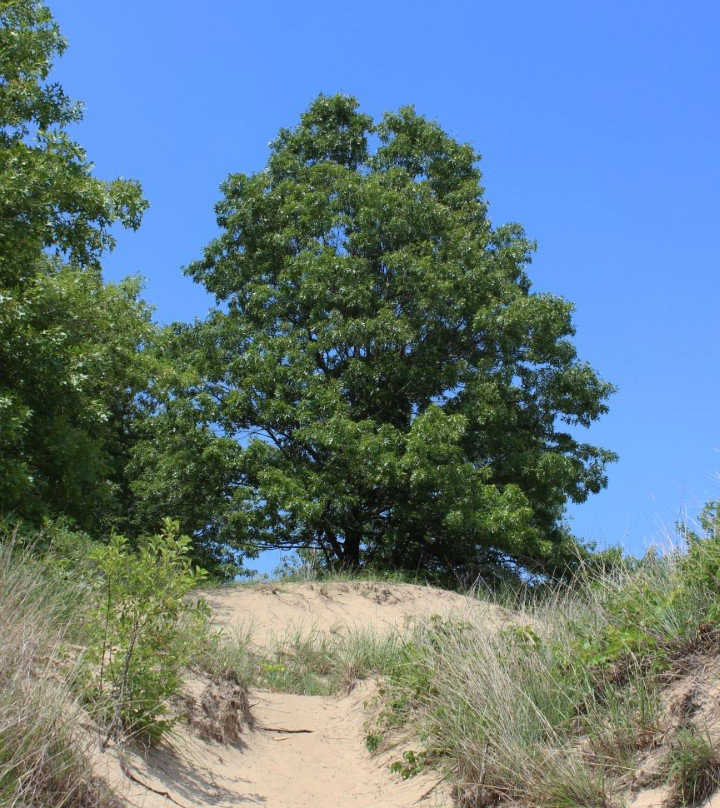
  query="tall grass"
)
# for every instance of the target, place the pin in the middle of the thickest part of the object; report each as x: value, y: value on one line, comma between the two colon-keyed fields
x: 42, y: 759
x: 552, y: 709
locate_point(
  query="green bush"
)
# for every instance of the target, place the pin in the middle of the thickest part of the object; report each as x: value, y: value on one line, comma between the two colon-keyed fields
x: 655, y: 608
x: 142, y: 630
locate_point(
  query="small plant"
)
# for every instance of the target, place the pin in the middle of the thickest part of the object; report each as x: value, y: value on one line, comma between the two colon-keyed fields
x: 412, y: 763
x: 693, y: 767
x: 142, y: 630
x: 373, y: 741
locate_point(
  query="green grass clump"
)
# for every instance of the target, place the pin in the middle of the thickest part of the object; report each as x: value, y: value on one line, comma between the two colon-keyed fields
x: 321, y: 663
x: 309, y: 663
x: 693, y: 767
x: 226, y: 656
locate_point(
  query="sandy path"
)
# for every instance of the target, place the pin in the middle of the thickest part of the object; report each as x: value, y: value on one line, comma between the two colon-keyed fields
x: 325, y: 765
x: 305, y: 751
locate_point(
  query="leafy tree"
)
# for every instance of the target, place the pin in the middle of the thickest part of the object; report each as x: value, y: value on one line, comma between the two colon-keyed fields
x: 70, y: 364
x: 402, y: 396
x: 69, y: 350
x: 49, y: 200
x: 179, y: 463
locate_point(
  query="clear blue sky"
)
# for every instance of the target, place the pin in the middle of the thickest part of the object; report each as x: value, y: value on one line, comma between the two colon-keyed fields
x: 599, y: 123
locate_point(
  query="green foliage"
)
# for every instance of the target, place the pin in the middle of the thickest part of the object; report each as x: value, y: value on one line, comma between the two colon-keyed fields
x: 693, y: 767
x: 635, y: 615
x: 701, y: 565
x: 412, y: 763
x: 373, y: 741
x: 661, y: 605
x: 72, y: 370
x: 402, y: 395
x: 71, y: 364
x: 144, y: 626
x: 49, y: 199
x: 180, y: 466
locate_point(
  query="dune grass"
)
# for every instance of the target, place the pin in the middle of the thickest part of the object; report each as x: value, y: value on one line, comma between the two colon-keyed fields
x: 311, y: 663
x: 43, y: 761
x: 693, y: 767
x: 555, y: 707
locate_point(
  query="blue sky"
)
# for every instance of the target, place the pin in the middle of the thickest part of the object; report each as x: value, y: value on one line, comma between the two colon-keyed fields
x: 599, y: 125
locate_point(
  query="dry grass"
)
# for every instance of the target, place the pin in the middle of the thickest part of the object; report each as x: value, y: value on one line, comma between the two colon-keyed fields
x: 42, y: 759
x: 220, y: 712
x: 539, y: 713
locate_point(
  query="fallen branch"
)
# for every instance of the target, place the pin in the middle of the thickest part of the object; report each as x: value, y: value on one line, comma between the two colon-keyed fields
x: 288, y: 731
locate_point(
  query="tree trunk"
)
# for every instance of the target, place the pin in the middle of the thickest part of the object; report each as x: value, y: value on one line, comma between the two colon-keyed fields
x: 351, y: 545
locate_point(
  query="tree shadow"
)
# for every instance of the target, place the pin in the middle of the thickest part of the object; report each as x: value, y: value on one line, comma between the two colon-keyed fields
x: 191, y: 782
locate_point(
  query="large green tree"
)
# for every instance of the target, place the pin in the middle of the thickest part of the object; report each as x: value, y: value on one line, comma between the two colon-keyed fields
x: 402, y: 395
x: 71, y: 366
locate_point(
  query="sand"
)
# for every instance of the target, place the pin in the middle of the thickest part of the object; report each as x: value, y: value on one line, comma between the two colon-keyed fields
x: 304, y: 751
x: 270, y: 611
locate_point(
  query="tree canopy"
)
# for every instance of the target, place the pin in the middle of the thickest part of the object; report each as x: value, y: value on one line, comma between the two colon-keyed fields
x: 378, y: 381
x: 400, y: 394
x: 70, y: 346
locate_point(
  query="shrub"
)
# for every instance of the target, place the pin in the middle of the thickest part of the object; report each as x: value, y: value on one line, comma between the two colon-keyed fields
x: 142, y: 630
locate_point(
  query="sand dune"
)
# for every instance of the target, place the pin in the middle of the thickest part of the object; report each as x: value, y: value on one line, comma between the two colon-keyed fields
x: 303, y: 751
x: 271, y: 609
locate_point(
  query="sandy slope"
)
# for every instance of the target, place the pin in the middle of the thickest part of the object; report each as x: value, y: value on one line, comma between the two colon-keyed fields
x: 271, y: 610
x: 695, y: 694
x: 304, y: 751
